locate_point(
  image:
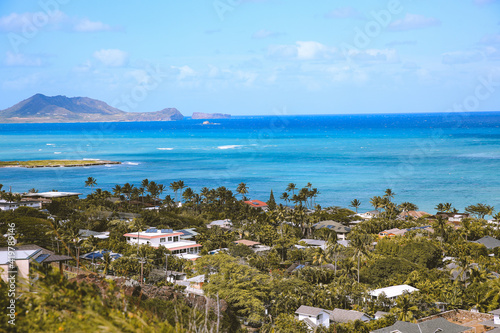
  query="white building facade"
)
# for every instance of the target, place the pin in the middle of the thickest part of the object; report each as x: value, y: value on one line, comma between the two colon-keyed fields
x: 167, y: 238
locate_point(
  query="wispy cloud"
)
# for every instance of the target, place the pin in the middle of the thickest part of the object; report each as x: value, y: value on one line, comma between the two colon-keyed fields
x: 344, y: 12
x: 111, y: 57
x: 263, y: 33
x: 56, y: 20
x: 23, y: 60
x: 401, y: 42
x: 414, y: 21
x: 462, y: 57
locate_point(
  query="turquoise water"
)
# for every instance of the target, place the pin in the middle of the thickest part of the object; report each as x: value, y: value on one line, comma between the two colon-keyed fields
x: 424, y: 158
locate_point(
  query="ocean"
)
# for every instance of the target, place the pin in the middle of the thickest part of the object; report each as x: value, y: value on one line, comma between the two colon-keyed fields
x: 424, y: 158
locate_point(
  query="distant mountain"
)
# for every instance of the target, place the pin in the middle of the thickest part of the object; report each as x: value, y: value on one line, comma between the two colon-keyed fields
x: 201, y: 115
x: 61, y: 109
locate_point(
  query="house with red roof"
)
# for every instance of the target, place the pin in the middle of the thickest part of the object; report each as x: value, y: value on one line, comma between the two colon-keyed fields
x: 257, y: 204
x: 168, y: 238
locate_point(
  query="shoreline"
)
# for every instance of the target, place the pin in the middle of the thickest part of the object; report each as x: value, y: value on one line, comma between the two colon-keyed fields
x: 54, y: 163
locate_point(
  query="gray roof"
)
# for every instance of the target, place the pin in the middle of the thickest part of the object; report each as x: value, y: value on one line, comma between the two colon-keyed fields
x: 495, y: 312
x: 42, y: 256
x: 309, y: 310
x: 345, y: 316
x: 313, y: 242
x: 88, y: 233
x: 429, y: 326
x: 489, y: 242
x: 380, y: 314
x: 332, y: 225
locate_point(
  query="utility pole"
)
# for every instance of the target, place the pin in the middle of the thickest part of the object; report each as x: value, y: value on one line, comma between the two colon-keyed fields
x: 142, y: 269
x: 218, y: 312
x: 166, y: 267
x: 77, y: 258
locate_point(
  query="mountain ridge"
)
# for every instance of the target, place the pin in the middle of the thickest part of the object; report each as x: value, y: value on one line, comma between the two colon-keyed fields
x: 40, y: 108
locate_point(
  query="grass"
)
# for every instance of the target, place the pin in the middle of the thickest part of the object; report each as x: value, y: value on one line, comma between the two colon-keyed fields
x: 52, y: 163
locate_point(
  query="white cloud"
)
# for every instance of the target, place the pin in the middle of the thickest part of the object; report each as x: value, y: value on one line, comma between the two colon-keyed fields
x: 24, y: 60
x: 302, y: 50
x: 462, y: 57
x: 311, y: 50
x: 111, y: 57
x: 184, y: 72
x: 54, y: 20
x: 374, y: 55
x: 85, y: 25
x: 413, y: 21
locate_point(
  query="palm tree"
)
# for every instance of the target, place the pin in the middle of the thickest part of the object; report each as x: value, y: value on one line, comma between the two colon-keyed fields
x: 285, y: 197
x: 161, y: 189
x: 377, y: 202
x: 332, y: 251
x: 389, y: 194
x: 360, y: 244
x: 117, y: 190
x: 242, y: 189
x: 174, y: 186
x: 291, y: 187
x: 407, y: 206
x: 107, y: 261
x: 91, y: 182
x: 145, y: 183
x: 405, y: 309
x: 355, y: 203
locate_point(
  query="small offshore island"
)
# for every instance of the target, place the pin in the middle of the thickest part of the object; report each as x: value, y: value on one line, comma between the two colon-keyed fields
x: 54, y: 163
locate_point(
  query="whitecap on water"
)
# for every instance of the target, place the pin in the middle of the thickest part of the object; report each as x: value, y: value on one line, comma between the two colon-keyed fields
x: 230, y: 147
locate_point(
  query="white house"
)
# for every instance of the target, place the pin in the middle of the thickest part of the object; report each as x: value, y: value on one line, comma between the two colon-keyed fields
x: 393, y: 292
x: 167, y: 238
x: 226, y: 224
x: 5, y: 205
x: 312, y: 316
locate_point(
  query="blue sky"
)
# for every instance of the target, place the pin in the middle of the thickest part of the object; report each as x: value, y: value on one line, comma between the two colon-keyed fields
x: 255, y: 56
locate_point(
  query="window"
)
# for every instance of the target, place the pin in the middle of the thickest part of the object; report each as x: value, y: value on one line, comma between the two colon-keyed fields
x: 169, y: 239
x: 162, y: 240
x: 176, y: 238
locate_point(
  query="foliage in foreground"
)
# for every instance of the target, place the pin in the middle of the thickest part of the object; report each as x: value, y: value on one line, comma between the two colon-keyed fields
x: 55, y: 304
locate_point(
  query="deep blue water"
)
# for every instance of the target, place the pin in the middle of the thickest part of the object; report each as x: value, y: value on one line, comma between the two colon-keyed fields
x: 424, y: 158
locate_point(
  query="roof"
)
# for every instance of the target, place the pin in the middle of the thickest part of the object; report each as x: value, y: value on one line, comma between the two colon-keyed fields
x: 344, y: 243
x: 32, y: 251
x: 495, y: 312
x: 415, y: 214
x: 197, y: 279
x: 153, y: 233
x: 379, y: 314
x: 51, y: 195
x: 393, y: 291
x: 256, y: 203
x: 85, y: 233
x: 430, y: 326
x: 187, y: 232
x: 246, y: 242
x: 489, y: 242
x: 221, y: 222
x: 313, y: 242
x: 345, y: 316
x: 309, y: 310
x: 333, y: 225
